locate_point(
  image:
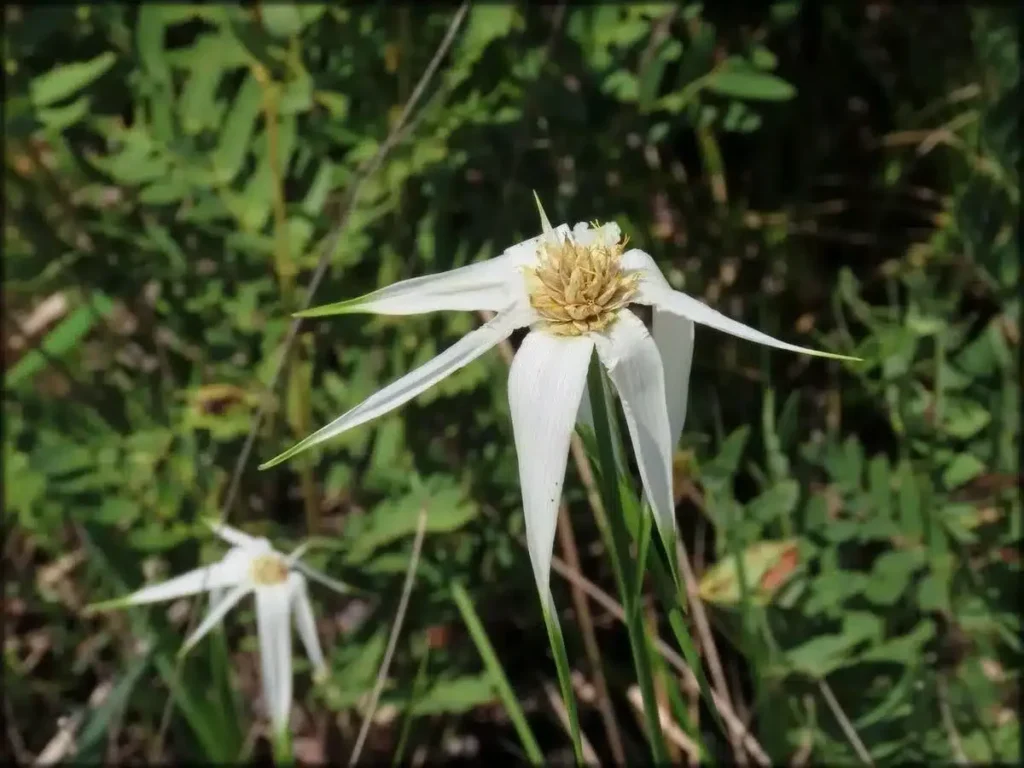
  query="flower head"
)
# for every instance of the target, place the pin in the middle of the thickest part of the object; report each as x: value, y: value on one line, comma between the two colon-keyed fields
x: 577, y: 285
x: 573, y: 289
x: 252, y: 565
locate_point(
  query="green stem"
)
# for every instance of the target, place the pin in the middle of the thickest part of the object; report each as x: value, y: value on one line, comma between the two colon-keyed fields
x: 283, y: 748
x: 564, y: 677
x: 663, y: 568
x: 497, y: 673
x: 619, y: 552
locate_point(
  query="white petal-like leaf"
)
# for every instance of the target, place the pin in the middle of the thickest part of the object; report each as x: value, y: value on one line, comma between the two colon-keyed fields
x: 495, y: 284
x: 275, y: 635
x: 460, y: 354
x: 656, y: 291
x: 229, y: 572
x: 305, y: 623
x: 310, y: 572
x: 217, y: 611
x: 629, y: 353
x: 674, y: 336
x: 237, y: 538
x: 483, y: 285
x: 545, y: 384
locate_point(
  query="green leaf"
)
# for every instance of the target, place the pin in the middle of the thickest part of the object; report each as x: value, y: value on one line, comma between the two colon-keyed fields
x: 778, y: 501
x: 138, y: 160
x: 762, y: 58
x: 149, y: 40
x: 197, y: 106
x: 23, y: 486
x: 846, y: 463
x: 904, y: 649
x: 59, y: 118
x: 964, y: 418
x: 740, y: 84
x: 962, y: 469
x: 832, y: 588
x: 116, y: 511
x: 496, y: 672
x: 719, y: 471
x: 864, y: 627
x: 911, y: 521
x: 895, y: 700
x: 456, y: 696
x: 59, y: 342
x: 623, y: 85
x: 878, y: 486
x: 739, y: 118
x: 353, y: 668
x: 296, y: 95
x: 236, y: 134
x: 933, y: 594
x: 448, y: 508
x: 824, y: 654
x: 65, y: 80
x: 164, y: 192
x: 891, y: 574
x: 282, y: 19
x: 486, y: 23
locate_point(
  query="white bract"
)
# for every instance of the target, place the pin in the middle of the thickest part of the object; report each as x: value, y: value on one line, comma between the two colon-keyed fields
x: 251, y: 565
x: 572, y: 288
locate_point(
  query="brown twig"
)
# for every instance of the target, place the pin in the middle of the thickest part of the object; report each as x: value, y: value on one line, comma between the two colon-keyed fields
x: 567, y: 541
x: 396, y: 628
x: 63, y: 742
x: 668, y: 726
x: 555, y: 700
x: 844, y: 723
x: 707, y: 640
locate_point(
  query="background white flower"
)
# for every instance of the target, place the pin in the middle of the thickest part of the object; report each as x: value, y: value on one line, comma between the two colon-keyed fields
x: 572, y: 288
x: 251, y: 565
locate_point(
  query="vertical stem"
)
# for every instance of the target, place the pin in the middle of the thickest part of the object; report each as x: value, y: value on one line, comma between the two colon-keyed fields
x: 498, y: 677
x: 619, y: 552
x: 282, y: 743
x: 557, y: 641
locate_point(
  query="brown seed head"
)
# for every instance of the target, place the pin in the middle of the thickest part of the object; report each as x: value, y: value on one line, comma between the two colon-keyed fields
x: 579, y: 288
x: 267, y: 570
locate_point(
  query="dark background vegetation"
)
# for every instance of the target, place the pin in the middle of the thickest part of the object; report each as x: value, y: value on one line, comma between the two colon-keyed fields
x: 841, y: 175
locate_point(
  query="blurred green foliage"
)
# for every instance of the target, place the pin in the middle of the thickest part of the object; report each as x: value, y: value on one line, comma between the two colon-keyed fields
x: 172, y: 174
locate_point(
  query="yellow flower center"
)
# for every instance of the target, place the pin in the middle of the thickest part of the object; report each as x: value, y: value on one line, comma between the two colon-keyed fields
x: 579, y: 288
x: 267, y: 570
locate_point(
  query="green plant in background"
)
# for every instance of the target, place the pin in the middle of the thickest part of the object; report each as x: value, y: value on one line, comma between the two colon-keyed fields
x: 173, y: 177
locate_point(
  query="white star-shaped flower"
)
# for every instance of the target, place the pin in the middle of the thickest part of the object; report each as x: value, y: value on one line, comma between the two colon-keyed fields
x: 252, y: 565
x: 572, y: 288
